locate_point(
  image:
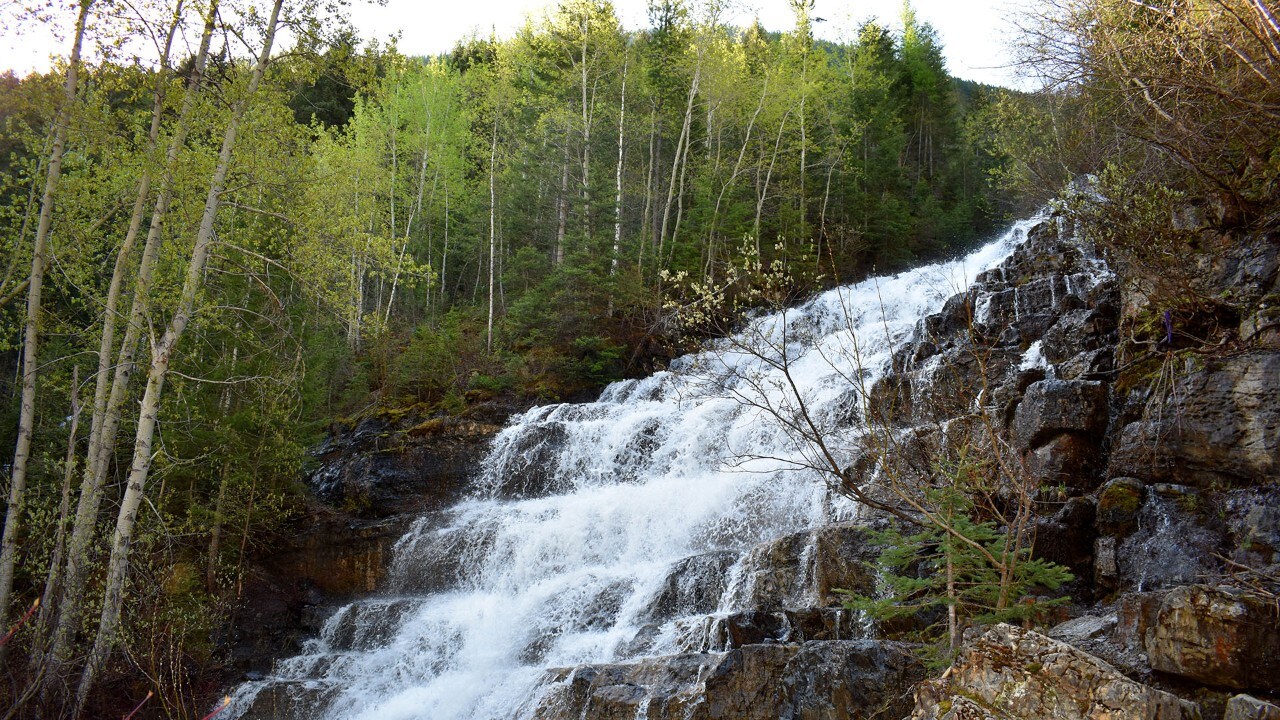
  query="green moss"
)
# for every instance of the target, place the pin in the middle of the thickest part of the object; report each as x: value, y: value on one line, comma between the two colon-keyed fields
x: 1120, y: 499
x: 428, y: 427
x: 1141, y: 373
x: 1190, y: 503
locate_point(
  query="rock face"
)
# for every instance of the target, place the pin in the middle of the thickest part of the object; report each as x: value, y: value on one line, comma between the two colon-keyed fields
x: 1053, y: 407
x: 693, y: 586
x: 285, y: 593
x: 1253, y: 523
x: 1247, y: 707
x: 373, y: 478
x: 1177, y: 537
x: 394, y: 465
x: 1216, y: 636
x: 805, y: 569
x: 1221, y: 425
x: 817, y: 680
x: 1012, y: 673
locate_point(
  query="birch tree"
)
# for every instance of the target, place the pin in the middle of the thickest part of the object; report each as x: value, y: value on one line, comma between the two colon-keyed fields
x: 162, y: 355
x: 31, y: 335
x: 107, y: 409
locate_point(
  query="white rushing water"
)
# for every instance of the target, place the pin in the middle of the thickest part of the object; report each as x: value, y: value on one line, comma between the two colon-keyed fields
x: 581, y: 510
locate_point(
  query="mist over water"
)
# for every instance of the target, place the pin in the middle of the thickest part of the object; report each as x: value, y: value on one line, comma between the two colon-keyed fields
x: 580, y: 511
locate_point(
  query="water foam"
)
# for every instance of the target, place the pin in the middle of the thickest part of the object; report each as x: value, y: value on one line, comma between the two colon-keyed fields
x: 580, y: 511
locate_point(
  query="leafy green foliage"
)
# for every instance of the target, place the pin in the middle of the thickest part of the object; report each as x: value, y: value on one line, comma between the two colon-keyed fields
x: 934, y: 568
x: 502, y: 223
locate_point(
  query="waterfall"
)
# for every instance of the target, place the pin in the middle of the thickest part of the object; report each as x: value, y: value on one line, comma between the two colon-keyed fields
x: 563, y: 552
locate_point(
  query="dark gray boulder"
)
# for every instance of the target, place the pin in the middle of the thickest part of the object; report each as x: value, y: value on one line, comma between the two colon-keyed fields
x: 1220, y: 425
x: 1053, y: 407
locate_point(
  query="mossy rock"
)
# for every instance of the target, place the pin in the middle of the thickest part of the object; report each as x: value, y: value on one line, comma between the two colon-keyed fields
x: 1118, y: 505
x: 434, y: 426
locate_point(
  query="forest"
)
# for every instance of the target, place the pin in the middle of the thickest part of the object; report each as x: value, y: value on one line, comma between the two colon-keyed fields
x: 215, y: 251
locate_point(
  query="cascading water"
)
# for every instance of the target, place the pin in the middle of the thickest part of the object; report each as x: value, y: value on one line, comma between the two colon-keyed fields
x: 581, y: 511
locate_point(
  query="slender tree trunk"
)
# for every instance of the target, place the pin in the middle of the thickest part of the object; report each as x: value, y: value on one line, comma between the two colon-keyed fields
x: 110, y: 312
x: 586, y: 140
x: 493, y: 227
x: 684, y: 170
x: 215, y: 532
x: 219, y: 507
x: 562, y: 206
x: 617, y: 174
x: 804, y: 141
x: 353, y: 322
x: 17, y: 290
x: 953, y: 623
x: 444, y: 253
x: 646, y: 220
x: 768, y: 176
x: 422, y: 180
x: 117, y: 566
x: 64, y: 507
x: 395, y: 161
x: 737, y: 170
x: 101, y: 445
x: 678, y: 156
x: 31, y: 337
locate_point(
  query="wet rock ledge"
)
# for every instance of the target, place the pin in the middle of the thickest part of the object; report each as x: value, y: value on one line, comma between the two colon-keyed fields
x: 374, y: 478
x: 1161, y: 469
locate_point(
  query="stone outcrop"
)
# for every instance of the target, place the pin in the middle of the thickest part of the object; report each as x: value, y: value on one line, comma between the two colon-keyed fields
x: 1009, y: 673
x: 716, y: 633
x: 285, y: 593
x: 399, y: 463
x: 1052, y: 407
x: 817, y: 680
x: 693, y: 586
x: 805, y: 569
x: 1217, y: 636
x: 1252, y: 519
x: 1176, y: 541
x: 1066, y: 537
x: 373, y: 479
x: 1118, y: 505
x: 1247, y: 707
x: 1220, y: 425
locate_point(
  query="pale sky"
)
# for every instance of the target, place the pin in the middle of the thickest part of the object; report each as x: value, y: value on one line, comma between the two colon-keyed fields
x: 973, y: 32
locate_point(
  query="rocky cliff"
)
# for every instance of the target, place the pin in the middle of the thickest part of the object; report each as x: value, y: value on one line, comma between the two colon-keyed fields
x: 1156, y: 449
x: 1155, y: 437
x: 1158, y: 467
x: 374, y: 477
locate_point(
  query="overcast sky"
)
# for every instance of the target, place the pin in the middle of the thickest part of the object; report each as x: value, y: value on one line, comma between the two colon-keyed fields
x: 973, y: 32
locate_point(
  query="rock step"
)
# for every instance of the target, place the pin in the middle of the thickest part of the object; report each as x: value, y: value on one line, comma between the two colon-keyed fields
x: 816, y: 680
x: 287, y: 701
x: 1009, y: 672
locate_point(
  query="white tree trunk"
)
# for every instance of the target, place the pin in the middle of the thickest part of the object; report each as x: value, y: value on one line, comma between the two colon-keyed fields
x: 31, y: 337
x: 493, y: 226
x: 117, y: 566
x: 562, y: 205
x: 678, y: 157
x: 408, y: 227
x: 617, y: 174
x: 101, y: 445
